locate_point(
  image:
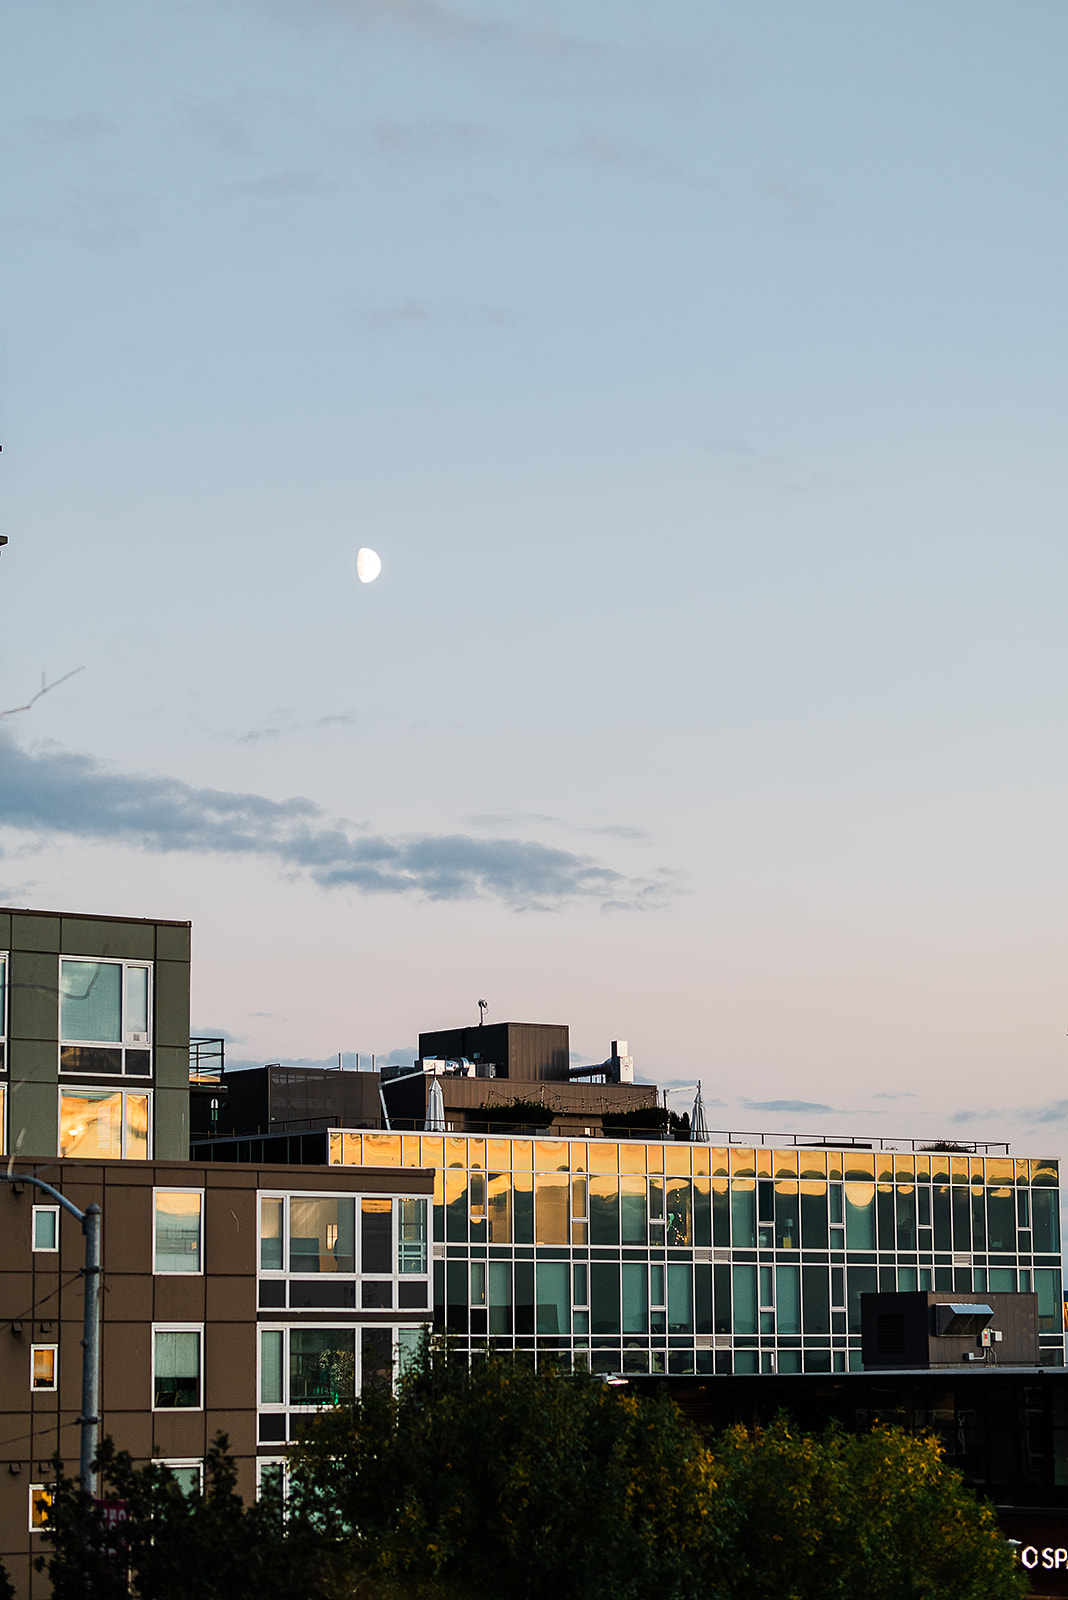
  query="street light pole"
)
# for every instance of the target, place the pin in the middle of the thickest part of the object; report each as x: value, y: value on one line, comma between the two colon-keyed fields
x: 92, y: 1226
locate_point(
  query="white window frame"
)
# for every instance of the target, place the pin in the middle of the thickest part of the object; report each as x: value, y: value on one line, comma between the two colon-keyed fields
x: 310, y: 1407
x: 71, y: 1086
x: 187, y: 1463
x: 45, y: 1388
x: 128, y: 1040
x: 395, y: 1277
x: 39, y: 1488
x: 175, y: 1272
x: 179, y: 1327
x: 4, y: 987
x: 281, y: 1462
x: 43, y: 1249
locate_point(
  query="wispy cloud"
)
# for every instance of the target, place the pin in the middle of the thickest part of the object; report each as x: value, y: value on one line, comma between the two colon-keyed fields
x: 415, y: 315
x: 80, y: 127
x: 803, y: 205
x: 429, y: 138
x: 288, y: 722
x: 57, y: 792
x: 798, y: 1106
x: 620, y: 155
x: 296, y: 183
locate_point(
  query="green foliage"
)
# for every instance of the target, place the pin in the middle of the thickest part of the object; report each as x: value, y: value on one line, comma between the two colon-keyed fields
x: 650, y: 1120
x: 496, y: 1479
x: 207, y: 1546
x: 521, y: 1113
x: 875, y: 1514
x: 7, y: 1591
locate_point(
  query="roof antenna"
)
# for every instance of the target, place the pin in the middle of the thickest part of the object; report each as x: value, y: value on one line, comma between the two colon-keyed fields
x: 483, y: 1006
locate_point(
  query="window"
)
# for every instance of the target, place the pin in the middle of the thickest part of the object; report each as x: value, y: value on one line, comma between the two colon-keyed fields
x: 45, y: 1228
x: 107, y: 1124
x: 3, y: 1014
x: 340, y: 1252
x: 188, y: 1475
x: 40, y: 1505
x: 105, y: 1010
x: 176, y: 1354
x: 312, y: 1366
x: 44, y: 1367
x: 177, y: 1231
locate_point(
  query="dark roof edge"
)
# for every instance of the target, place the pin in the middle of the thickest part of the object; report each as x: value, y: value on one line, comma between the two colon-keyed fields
x: 94, y: 916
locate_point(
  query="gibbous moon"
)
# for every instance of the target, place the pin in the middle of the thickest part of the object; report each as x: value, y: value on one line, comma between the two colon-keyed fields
x: 368, y: 565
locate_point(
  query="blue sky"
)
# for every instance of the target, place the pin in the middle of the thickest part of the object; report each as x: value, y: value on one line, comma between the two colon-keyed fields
x: 699, y: 374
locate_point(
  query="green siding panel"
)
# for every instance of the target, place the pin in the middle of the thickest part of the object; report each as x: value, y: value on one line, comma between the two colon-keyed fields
x: 33, y: 1120
x: 34, y: 1002
x: 32, y: 932
x: 172, y: 941
x: 172, y: 1004
x: 35, y: 1060
x: 172, y: 1124
x: 133, y: 941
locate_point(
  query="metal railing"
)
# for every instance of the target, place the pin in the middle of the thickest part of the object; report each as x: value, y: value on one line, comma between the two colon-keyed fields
x: 207, y: 1060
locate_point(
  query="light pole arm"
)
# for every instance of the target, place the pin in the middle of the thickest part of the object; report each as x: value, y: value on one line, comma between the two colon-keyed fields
x: 91, y: 1221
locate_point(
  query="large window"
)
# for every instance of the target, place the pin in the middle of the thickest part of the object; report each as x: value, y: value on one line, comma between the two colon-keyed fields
x: 45, y: 1228
x: 177, y: 1230
x: 106, y: 1124
x: 105, y: 1017
x: 44, y: 1367
x: 304, y: 1367
x: 344, y: 1252
x: 176, y: 1367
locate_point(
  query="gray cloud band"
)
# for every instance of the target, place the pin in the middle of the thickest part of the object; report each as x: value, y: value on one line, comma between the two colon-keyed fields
x: 60, y: 792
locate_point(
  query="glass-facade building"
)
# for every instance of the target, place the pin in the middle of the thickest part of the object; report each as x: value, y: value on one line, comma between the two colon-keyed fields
x: 671, y: 1257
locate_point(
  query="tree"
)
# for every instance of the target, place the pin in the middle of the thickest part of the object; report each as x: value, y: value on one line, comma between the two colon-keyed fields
x: 174, y: 1546
x: 494, y: 1478
x: 843, y: 1515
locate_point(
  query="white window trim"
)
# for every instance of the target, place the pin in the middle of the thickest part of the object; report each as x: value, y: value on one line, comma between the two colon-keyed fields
x: 310, y: 1407
x: 184, y: 1465
x: 178, y: 1327
x: 5, y: 957
x: 38, y: 1488
x: 129, y: 1040
x: 43, y: 1249
x: 173, y: 1272
x: 395, y: 1277
x: 45, y: 1388
x: 73, y: 1086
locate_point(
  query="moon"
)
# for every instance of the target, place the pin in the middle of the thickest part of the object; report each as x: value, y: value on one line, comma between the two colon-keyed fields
x: 368, y: 565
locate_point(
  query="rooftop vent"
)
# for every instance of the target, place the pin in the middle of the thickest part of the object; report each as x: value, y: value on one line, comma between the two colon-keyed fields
x: 956, y: 1320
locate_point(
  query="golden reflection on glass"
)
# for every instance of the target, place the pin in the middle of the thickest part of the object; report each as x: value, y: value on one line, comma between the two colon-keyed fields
x: 91, y: 1125
x: 523, y: 1155
x: 939, y: 1167
x: 859, y: 1166
x: 654, y: 1155
x: 976, y: 1169
x: 884, y: 1167
x: 717, y: 1157
x: 137, y: 1127
x: 476, y: 1153
x: 431, y: 1152
x: 632, y: 1158
x: 1023, y: 1171
x: 701, y: 1163
x: 813, y: 1164
x: 551, y: 1208
x: 353, y: 1150
x: 1044, y: 1173
x: 677, y: 1160
x: 337, y: 1148
x: 500, y: 1207
x: 410, y: 1156
x: 834, y: 1166
x: 923, y: 1167
x: 998, y: 1171
x: 603, y: 1157
x: 550, y: 1156
x: 904, y: 1168
x: 785, y: 1163
x: 455, y: 1151
x: 743, y: 1164
x: 381, y: 1149
x: 578, y: 1155
x: 764, y: 1163
x: 499, y: 1155
x: 960, y: 1169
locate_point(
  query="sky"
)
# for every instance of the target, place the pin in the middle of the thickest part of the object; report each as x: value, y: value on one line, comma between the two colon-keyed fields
x: 699, y: 374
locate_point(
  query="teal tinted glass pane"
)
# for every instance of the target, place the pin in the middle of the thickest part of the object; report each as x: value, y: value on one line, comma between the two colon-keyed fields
x: 500, y: 1297
x: 137, y: 1000
x: 409, y: 1343
x: 813, y: 1218
x: 3, y: 996
x: 1002, y: 1280
x: 743, y: 1214
x: 90, y: 1001
x: 177, y: 1369
x: 635, y: 1299
x: 632, y: 1205
x: 679, y: 1212
x: 1045, y: 1232
x: 322, y: 1237
x: 322, y: 1365
x: 1001, y: 1220
x: 551, y: 1289
x: 604, y: 1297
x: 817, y: 1312
x: 680, y: 1298
x: 1047, y: 1282
x: 787, y: 1217
x: 411, y: 1227
x: 745, y: 1299
x: 788, y: 1299
x: 906, y: 1217
x: 187, y: 1479
x: 859, y: 1280
x: 45, y: 1228
x: 860, y: 1216
x: 271, y: 1367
